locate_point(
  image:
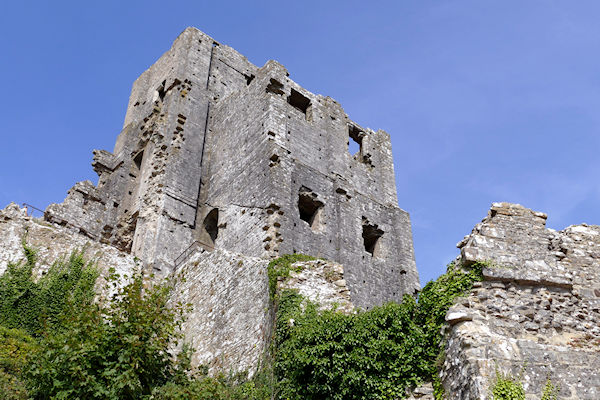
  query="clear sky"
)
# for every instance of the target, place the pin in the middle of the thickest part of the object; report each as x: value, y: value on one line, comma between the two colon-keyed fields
x: 485, y: 100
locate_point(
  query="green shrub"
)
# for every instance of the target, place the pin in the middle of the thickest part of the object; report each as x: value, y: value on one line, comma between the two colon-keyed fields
x: 433, y: 303
x: 507, y: 388
x: 16, y: 348
x: 550, y: 391
x: 216, y: 388
x: 329, y: 355
x: 120, y: 350
x: 373, y: 354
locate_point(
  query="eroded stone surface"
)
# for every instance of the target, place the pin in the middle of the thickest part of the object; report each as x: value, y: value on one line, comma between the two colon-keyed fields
x: 218, y: 151
x: 53, y: 242
x: 229, y: 326
x: 232, y: 318
x: 321, y: 282
x: 537, y: 311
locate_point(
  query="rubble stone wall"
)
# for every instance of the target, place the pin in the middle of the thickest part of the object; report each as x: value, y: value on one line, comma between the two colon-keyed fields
x: 53, y: 242
x: 537, y: 312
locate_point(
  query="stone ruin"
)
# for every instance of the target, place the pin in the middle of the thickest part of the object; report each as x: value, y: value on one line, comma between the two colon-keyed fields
x: 216, y: 153
x: 222, y: 166
x: 535, y: 315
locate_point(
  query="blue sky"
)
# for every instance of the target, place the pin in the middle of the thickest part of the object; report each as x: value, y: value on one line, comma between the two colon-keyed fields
x: 485, y: 100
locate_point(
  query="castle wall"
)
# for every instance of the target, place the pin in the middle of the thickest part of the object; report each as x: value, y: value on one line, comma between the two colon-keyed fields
x: 231, y: 322
x: 53, y: 242
x: 265, y: 154
x: 230, y: 325
x: 243, y: 159
x: 536, y: 314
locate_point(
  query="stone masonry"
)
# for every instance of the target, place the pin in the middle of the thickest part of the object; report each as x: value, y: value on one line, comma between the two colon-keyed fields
x: 231, y: 323
x: 54, y: 242
x: 218, y: 153
x: 537, y: 312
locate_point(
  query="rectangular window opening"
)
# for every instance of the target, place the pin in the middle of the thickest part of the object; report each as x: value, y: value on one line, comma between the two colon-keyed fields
x: 310, y: 208
x: 355, y: 137
x: 300, y: 102
x: 371, y: 235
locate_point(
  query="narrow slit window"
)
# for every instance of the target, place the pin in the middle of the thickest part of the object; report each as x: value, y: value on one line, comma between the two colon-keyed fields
x: 137, y: 160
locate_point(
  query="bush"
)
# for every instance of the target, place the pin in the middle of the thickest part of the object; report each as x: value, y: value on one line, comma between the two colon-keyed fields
x: 507, y: 388
x: 217, y: 388
x: 16, y: 348
x: 329, y: 355
x: 121, y: 350
x: 433, y: 303
x: 376, y: 354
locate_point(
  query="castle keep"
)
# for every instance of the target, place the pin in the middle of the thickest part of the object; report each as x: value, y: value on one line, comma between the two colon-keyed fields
x: 216, y: 153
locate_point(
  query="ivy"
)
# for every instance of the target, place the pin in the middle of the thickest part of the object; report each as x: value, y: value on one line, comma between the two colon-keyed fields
x: 39, y: 305
x: 16, y: 348
x: 118, y: 350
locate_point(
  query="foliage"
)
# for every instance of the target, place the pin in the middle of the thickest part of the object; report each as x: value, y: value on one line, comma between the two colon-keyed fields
x: 70, y: 347
x: 507, y: 388
x: 550, y: 391
x: 373, y: 354
x: 221, y: 387
x: 16, y: 347
x: 120, y: 350
x: 39, y: 305
x: 281, y: 268
x: 329, y: 355
x: 434, y: 301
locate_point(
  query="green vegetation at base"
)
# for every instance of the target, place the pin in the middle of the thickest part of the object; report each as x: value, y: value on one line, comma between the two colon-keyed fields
x: 73, y: 347
x: 507, y: 387
x: 57, y: 343
x: 221, y: 387
x: 550, y: 391
x: 16, y: 347
x: 38, y: 306
x: 373, y: 354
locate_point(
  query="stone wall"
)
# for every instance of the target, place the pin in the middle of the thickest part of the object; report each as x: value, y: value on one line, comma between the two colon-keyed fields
x: 537, y: 312
x: 53, y: 242
x: 321, y: 282
x: 218, y: 151
x: 230, y: 325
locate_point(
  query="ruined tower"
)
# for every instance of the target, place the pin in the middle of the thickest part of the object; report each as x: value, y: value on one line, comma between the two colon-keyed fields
x: 218, y: 153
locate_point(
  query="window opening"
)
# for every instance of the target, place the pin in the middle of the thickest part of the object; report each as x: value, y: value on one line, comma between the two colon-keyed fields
x: 309, y: 208
x: 355, y: 137
x: 371, y: 235
x: 137, y: 160
x: 211, y: 224
x: 275, y: 87
x: 300, y: 102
